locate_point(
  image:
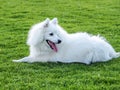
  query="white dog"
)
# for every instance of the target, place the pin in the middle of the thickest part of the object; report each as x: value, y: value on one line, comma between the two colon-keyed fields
x: 50, y: 43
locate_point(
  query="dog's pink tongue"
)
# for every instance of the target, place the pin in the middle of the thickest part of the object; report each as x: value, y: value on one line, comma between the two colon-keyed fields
x: 53, y: 46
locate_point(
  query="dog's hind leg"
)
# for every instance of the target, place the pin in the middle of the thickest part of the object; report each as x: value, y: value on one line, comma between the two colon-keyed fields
x: 25, y: 59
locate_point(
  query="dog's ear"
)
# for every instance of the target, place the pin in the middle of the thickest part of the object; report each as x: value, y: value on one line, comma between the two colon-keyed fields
x: 46, y: 22
x: 54, y: 21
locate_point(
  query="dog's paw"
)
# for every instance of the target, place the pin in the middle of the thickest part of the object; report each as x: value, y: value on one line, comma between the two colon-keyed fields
x: 16, y: 60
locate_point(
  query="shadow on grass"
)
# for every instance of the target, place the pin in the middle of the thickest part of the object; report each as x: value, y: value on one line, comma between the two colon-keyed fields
x: 69, y: 66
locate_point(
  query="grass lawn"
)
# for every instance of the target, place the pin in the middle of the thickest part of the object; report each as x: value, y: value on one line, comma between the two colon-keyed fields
x: 92, y: 16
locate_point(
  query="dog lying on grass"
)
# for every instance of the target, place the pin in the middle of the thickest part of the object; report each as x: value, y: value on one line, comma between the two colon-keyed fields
x: 51, y: 43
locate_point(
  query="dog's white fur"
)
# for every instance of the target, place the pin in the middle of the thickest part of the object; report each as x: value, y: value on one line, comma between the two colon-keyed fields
x: 79, y: 47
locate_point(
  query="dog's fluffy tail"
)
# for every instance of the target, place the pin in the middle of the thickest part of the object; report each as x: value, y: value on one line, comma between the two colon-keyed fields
x: 117, y: 54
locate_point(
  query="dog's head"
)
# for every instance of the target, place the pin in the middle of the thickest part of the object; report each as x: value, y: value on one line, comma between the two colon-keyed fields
x: 51, y: 35
x: 46, y: 32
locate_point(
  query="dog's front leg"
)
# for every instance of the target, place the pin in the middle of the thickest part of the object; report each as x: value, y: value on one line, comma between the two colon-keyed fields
x: 25, y: 59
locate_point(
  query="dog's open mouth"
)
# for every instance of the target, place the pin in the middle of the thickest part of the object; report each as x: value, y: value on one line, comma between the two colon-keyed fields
x: 52, y: 45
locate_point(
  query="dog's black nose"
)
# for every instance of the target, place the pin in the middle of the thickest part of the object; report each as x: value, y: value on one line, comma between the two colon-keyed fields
x: 59, y: 41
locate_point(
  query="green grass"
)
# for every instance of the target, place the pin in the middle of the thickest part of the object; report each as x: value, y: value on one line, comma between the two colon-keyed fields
x: 92, y: 16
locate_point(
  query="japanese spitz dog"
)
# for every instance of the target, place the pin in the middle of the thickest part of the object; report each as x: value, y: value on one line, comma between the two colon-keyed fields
x: 51, y: 43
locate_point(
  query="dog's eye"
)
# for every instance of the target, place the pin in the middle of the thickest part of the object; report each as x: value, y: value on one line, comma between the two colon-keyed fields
x: 51, y: 34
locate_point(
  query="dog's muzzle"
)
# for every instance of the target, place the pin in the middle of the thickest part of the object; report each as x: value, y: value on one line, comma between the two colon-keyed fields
x: 53, y: 45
